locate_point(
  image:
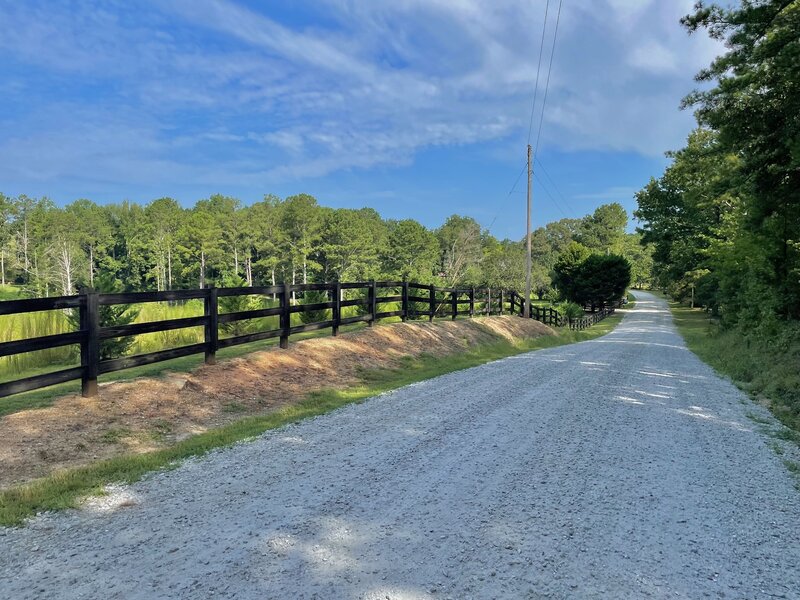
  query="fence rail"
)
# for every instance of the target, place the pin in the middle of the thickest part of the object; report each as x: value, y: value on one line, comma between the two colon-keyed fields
x: 593, y: 318
x: 410, y: 300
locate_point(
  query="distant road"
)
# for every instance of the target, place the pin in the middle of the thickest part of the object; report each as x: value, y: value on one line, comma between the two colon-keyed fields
x: 616, y: 468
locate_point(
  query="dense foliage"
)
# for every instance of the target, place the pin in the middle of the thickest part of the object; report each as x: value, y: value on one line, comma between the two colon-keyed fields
x: 50, y: 250
x: 724, y: 219
x: 602, y: 279
x: 587, y: 278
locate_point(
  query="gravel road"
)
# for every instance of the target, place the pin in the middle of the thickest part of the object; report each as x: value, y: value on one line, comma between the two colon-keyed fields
x: 617, y: 468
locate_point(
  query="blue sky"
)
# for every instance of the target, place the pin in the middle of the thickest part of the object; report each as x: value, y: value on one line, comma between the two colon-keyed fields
x: 418, y: 108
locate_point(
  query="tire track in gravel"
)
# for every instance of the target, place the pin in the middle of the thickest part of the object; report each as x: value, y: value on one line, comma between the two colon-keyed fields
x: 617, y: 468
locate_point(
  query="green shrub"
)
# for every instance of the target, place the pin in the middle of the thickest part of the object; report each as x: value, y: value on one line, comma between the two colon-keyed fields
x: 113, y: 315
x: 315, y: 316
x: 570, y: 310
x: 233, y: 304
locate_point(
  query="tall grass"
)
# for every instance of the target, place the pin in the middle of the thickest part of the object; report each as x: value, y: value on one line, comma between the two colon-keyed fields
x: 30, y: 325
x: 163, y: 311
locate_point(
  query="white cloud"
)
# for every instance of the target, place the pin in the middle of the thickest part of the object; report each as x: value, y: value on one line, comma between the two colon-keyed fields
x: 364, y: 84
x: 653, y: 57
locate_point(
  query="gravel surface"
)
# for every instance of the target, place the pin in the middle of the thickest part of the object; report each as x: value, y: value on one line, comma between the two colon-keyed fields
x: 617, y: 468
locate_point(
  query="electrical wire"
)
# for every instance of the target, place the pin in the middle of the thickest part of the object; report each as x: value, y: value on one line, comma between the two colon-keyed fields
x: 502, y: 206
x: 547, y: 83
x: 555, y: 187
x: 538, y: 70
x: 555, y: 202
x: 541, y: 117
x: 516, y: 181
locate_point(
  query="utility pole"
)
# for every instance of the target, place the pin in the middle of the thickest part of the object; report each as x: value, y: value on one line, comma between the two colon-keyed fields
x: 527, y: 310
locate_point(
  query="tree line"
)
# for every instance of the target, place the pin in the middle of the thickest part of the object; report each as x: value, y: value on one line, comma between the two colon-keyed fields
x: 724, y: 218
x: 52, y: 250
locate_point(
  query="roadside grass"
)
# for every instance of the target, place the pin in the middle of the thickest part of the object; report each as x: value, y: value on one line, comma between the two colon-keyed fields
x: 767, y: 369
x: 67, y: 488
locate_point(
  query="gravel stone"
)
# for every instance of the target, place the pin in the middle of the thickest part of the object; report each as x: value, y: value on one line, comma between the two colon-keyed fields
x: 621, y: 468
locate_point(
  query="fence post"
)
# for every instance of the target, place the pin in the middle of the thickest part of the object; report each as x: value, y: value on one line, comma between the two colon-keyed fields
x: 454, y: 300
x: 286, y: 316
x: 502, y: 299
x: 432, y: 296
x: 373, y: 305
x: 211, y: 313
x: 337, y: 307
x: 488, y: 302
x: 404, y: 306
x: 90, y: 347
x: 471, y: 302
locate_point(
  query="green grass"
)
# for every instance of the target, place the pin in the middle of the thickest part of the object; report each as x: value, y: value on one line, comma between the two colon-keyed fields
x: 764, y: 367
x: 11, y: 292
x: 114, y: 436
x: 65, y: 489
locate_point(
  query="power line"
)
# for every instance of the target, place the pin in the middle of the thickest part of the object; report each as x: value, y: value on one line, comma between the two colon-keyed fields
x: 538, y: 70
x: 513, y: 187
x: 544, y: 101
x: 555, y: 202
x: 503, y: 204
x: 555, y: 187
x: 547, y: 83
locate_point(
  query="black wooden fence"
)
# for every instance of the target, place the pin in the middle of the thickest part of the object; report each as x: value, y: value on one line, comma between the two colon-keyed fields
x: 593, y: 318
x: 414, y: 301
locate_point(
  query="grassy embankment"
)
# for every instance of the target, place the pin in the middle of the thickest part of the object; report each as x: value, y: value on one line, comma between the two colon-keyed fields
x: 66, y: 488
x: 765, y: 366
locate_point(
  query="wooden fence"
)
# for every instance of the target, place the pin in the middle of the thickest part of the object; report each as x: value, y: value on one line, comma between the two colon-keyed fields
x: 406, y: 300
x: 593, y: 318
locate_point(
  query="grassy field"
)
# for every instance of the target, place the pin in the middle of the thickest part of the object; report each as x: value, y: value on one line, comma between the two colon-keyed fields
x: 66, y: 488
x: 765, y: 366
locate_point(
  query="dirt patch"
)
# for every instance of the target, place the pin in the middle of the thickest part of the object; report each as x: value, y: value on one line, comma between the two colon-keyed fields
x: 146, y: 414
